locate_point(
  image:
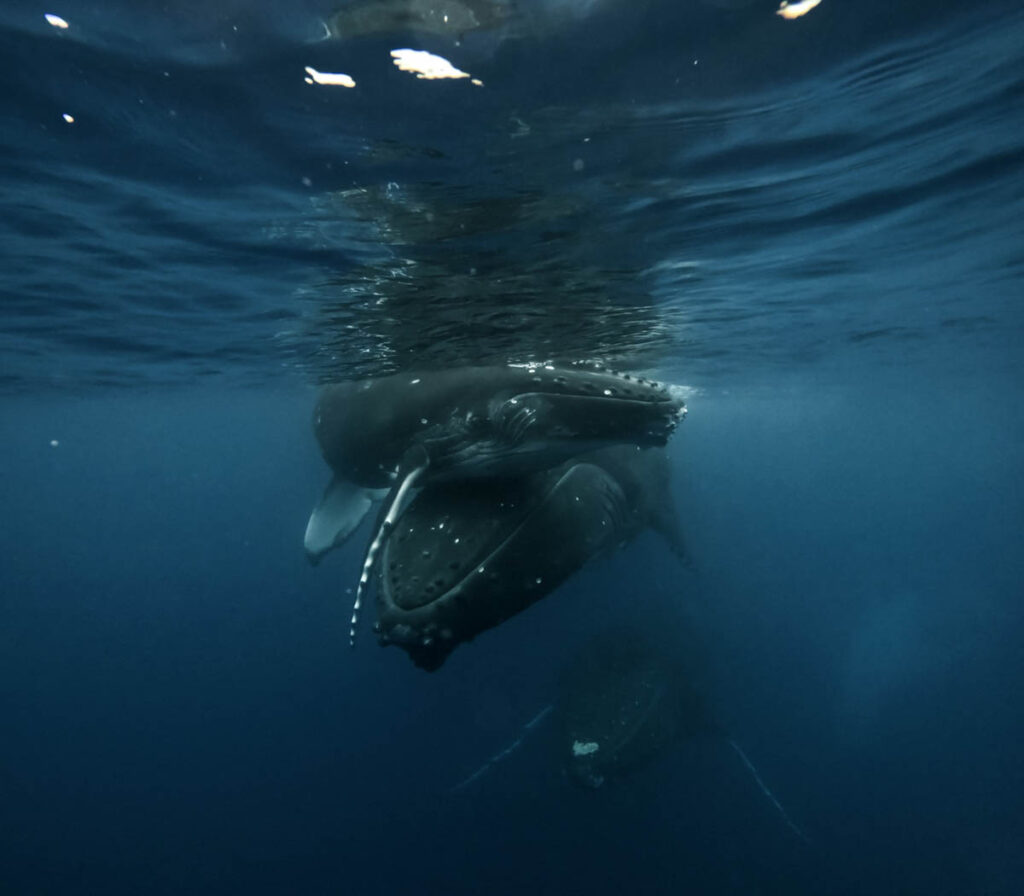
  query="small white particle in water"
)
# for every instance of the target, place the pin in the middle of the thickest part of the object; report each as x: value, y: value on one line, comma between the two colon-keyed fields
x: 54, y: 443
x: 694, y: 61
x: 423, y: 420
x: 306, y: 182
x: 414, y: 382
x: 539, y: 580
x: 577, y: 165
x: 457, y: 540
x: 70, y: 119
x: 607, y: 391
x: 56, y: 21
x: 480, y: 570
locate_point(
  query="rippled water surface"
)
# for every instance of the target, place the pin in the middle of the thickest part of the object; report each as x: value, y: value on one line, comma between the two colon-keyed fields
x: 657, y: 184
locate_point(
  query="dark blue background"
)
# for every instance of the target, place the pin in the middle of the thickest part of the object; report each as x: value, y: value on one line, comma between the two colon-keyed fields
x: 181, y: 710
x: 817, y: 228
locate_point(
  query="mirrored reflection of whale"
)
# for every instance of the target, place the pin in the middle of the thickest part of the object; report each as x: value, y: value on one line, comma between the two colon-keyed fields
x: 466, y: 556
x: 454, y: 18
x: 413, y: 430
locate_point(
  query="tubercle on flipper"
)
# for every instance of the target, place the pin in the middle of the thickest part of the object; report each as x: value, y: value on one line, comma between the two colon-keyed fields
x: 677, y: 394
x: 394, y: 511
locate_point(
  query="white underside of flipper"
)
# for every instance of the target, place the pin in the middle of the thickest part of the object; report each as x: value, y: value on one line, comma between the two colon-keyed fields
x: 400, y: 497
x: 336, y: 517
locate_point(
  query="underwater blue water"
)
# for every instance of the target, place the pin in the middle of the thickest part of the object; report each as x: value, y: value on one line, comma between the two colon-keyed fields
x: 814, y: 224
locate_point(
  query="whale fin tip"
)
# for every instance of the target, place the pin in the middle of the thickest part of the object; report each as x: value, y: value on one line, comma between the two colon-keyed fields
x: 336, y: 517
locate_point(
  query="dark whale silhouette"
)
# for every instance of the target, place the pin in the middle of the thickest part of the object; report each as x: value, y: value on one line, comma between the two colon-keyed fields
x: 415, y: 430
x: 468, y: 555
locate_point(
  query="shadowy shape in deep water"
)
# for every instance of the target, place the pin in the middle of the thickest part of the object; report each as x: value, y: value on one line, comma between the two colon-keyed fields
x: 624, y: 702
x: 485, y: 424
x: 469, y: 555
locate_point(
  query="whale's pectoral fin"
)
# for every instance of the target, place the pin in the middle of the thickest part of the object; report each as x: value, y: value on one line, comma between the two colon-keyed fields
x: 413, y: 467
x: 336, y: 517
x: 665, y: 521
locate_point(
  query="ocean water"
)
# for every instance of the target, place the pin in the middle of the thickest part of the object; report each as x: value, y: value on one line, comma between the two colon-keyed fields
x: 814, y: 224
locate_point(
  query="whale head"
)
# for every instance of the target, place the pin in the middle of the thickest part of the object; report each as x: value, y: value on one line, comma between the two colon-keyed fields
x: 476, y: 422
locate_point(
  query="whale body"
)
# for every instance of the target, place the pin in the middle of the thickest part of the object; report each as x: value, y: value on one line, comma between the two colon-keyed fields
x: 472, y: 423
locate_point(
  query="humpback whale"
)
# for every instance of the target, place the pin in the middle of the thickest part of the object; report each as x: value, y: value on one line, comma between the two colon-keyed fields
x: 467, y: 556
x: 625, y: 702
x: 407, y: 431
